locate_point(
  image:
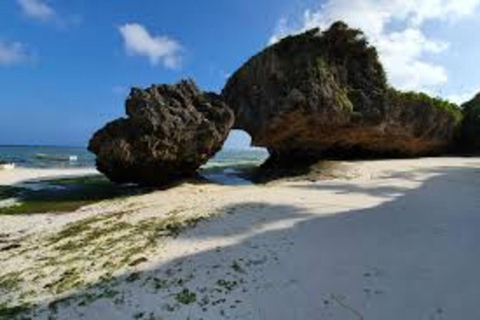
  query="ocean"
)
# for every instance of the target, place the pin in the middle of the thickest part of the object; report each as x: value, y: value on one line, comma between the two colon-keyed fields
x: 77, y: 157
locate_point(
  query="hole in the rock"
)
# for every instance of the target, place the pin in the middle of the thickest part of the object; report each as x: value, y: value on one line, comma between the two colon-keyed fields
x: 236, y: 158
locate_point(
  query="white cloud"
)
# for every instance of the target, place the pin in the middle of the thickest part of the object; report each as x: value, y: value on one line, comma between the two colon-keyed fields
x: 404, y: 50
x: 40, y: 10
x: 462, y: 97
x: 402, y: 54
x: 12, y: 53
x: 159, y: 49
x: 37, y: 9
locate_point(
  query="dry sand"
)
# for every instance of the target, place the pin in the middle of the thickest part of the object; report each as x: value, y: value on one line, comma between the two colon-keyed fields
x: 398, y: 239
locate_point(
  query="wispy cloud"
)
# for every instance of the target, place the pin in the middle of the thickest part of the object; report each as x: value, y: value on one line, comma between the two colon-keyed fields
x: 37, y: 9
x: 404, y: 50
x: 40, y: 10
x: 463, y: 97
x: 13, y: 53
x: 158, y: 49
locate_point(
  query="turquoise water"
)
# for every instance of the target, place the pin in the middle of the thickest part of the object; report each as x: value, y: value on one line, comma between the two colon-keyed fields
x: 75, y: 157
x: 47, y: 156
x: 235, y: 158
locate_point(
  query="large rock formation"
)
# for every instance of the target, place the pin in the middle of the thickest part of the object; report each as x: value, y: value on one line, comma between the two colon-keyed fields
x: 469, y: 141
x: 418, y: 124
x: 170, y: 131
x: 322, y: 94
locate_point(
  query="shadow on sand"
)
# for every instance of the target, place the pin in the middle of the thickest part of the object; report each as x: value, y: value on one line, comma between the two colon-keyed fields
x: 413, y: 256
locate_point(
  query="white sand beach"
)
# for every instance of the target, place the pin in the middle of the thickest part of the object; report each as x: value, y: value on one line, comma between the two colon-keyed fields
x: 19, y: 175
x: 396, y: 239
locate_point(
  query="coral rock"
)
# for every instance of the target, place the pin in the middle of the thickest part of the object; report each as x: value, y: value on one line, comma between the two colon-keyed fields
x: 325, y: 94
x: 170, y: 131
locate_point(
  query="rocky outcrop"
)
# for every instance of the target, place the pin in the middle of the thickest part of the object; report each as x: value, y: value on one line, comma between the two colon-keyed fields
x: 324, y: 94
x: 417, y: 124
x: 170, y: 131
x: 469, y: 139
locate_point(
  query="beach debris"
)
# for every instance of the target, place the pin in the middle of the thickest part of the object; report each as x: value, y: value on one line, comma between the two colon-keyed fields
x: 340, y: 301
x: 169, y: 132
x: 321, y: 95
x: 138, y: 261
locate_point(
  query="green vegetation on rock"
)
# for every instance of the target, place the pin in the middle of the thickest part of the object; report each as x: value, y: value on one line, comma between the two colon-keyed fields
x: 431, y: 125
x: 421, y: 100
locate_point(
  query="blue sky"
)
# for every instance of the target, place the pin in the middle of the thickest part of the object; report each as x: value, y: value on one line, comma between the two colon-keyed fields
x: 66, y: 65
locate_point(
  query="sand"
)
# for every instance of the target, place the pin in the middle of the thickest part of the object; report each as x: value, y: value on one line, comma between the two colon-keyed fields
x: 393, y: 239
x: 20, y: 175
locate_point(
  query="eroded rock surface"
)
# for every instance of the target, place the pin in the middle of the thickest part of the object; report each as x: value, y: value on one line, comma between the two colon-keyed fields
x: 169, y: 132
x: 469, y: 141
x: 325, y: 94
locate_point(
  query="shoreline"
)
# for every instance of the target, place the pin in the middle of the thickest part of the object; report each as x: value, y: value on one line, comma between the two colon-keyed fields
x: 24, y: 174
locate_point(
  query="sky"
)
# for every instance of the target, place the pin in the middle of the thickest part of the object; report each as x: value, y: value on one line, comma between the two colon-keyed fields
x: 66, y: 66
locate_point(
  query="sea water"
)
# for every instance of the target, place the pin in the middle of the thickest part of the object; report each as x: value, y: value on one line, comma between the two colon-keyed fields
x: 47, y: 156
x: 78, y: 157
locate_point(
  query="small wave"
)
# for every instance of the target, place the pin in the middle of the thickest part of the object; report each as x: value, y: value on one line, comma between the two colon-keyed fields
x: 10, y: 202
x: 232, y: 164
x: 56, y: 157
x: 7, y: 166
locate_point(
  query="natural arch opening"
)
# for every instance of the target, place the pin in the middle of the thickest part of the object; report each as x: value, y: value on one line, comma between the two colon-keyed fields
x: 238, y: 140
x: 237, y: 149
x: 236, y: 158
